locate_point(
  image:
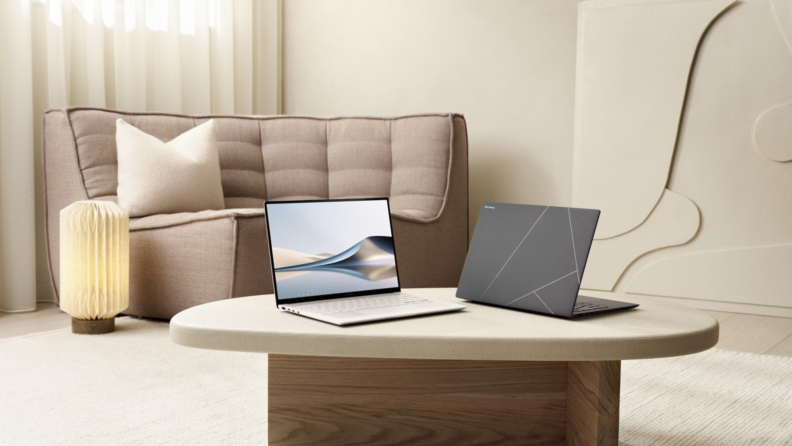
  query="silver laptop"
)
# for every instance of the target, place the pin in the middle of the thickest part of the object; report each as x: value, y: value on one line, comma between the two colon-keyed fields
x: 335, y: 261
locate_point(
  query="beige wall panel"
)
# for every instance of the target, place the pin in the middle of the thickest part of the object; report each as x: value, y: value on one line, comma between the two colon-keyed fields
x: 508, y: 65
x: 730, y: 131
x: 757, y: 275
x: 744, y: 197
x: 674, y: 221
x: 633, y: 63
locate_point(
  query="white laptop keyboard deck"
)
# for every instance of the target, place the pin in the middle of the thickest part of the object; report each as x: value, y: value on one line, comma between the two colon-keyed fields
x: 359, y: 303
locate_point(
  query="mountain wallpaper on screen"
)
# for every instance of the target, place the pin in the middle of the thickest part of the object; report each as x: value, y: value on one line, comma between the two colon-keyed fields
x: 368, y: 264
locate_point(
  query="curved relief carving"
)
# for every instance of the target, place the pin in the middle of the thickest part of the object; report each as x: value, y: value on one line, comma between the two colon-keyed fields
x: 622, y: 157
x: 673, y: 222
x: 772, y: 133
x: 757, y: 275
x: 783, y: 15
x: 731, y: 104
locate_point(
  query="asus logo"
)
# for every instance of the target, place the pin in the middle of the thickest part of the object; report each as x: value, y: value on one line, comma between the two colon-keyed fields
x: 489, y: 207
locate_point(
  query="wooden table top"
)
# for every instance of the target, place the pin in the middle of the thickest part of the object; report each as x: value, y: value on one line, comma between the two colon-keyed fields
x: 253, y: 324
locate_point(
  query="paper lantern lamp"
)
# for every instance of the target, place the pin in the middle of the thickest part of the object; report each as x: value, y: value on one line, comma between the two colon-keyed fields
x: 94, y: 264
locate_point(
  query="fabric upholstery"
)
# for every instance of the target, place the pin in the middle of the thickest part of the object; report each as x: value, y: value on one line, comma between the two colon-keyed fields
x: 241, y: 163
x: 295, y: 158
x: 252, y: 268
x: 155, y: 177
x: 194, y: 261
x: 432, y: 255
x: 359, y: 158
x: 419, y: 161
x: 420, y: 165
x: 199, y: 257
x: 183, y: 218
x: 64, y: 184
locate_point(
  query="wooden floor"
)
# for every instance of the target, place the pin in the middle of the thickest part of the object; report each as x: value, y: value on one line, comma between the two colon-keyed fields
x: 46, y: 317
x: 738, y: 332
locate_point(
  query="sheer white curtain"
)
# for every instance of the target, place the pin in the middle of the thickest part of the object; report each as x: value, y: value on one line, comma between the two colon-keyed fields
x: 191, y: 56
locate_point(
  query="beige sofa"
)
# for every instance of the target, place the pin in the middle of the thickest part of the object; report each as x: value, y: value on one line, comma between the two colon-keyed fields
x: 185, y: 259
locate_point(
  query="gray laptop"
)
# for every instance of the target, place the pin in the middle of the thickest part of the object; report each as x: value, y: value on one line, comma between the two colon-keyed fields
x: 335, y: 261
x: 532, y: 258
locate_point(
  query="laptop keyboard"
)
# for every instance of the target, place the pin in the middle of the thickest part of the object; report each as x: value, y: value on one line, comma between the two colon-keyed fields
x: 583, y: 307
x: 359, y: 303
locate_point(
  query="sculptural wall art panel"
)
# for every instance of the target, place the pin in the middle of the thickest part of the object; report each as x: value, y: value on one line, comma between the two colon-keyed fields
x: 683, y: 137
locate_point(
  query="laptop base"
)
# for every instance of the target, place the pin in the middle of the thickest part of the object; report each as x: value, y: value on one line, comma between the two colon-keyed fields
x: 604, y: 306
x: 611, y: 306
x: 359, y: 316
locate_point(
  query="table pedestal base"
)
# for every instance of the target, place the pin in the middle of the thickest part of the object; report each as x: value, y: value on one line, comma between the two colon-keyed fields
x: 342, y: 401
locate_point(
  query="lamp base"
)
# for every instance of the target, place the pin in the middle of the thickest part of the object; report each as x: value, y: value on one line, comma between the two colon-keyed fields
x: 99, y: 326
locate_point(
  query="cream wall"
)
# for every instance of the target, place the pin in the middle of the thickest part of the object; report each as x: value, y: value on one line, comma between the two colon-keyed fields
x: 657, y: 119
x: 507, y: 65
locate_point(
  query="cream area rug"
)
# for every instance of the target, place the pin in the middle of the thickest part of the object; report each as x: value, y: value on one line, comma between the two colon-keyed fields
x: 136, y: 387
x: 714, y: 398
x: 130, y: 387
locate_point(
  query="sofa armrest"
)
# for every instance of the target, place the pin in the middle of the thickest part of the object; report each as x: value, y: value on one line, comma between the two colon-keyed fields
x: 432, y: 251
x: 177, y: 261
x: 62, y: 184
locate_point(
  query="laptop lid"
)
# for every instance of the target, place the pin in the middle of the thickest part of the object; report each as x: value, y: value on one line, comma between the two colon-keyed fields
x: 331, y: 248
x: 528, y: 257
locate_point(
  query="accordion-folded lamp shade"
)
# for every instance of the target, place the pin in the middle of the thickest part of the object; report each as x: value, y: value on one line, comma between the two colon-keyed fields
x: 94, y: 264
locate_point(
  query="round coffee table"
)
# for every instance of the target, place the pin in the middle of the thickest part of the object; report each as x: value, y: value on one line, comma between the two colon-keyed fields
x: 484, y: 375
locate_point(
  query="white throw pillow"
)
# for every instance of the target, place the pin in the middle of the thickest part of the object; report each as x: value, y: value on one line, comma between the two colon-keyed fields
x: 182, y: 175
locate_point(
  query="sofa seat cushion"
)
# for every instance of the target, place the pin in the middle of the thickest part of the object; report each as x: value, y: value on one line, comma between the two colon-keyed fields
x: 168, y: 220
x: 418, y: 215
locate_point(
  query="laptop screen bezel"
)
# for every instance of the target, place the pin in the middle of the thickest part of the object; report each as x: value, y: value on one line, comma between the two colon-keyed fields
x: 279, y: 301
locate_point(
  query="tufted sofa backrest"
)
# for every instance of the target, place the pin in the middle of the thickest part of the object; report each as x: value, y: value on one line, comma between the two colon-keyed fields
x: 288, y: 158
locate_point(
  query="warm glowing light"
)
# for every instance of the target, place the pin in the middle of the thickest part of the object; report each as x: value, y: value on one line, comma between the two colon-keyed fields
x: 94, y: 260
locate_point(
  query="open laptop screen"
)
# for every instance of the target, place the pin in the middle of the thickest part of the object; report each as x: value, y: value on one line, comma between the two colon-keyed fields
x: 331, y: 248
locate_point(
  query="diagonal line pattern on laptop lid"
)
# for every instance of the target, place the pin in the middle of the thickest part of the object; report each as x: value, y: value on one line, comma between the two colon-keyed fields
x: 543, y: 286
x: 543, y: 302
x: 513, y: 252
